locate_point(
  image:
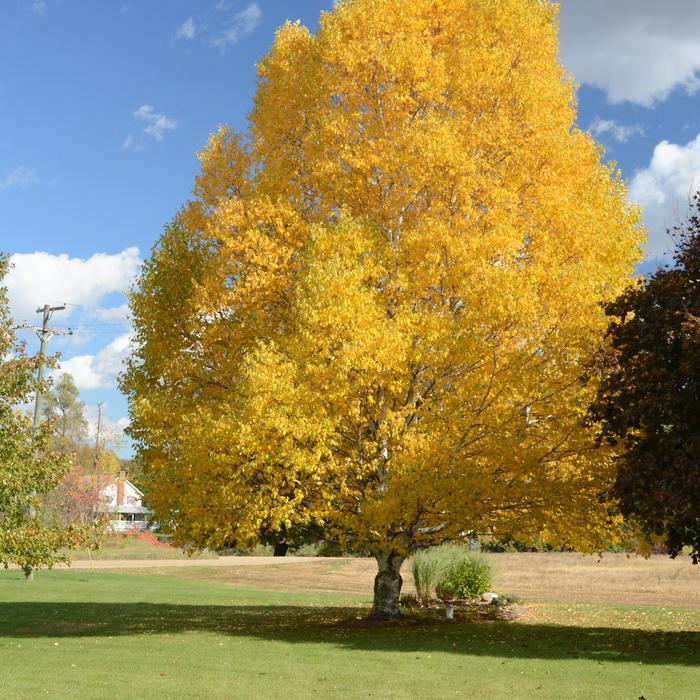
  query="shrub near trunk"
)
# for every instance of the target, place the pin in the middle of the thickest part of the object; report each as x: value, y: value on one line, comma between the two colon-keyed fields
x: 449, y: 572
x: 468, y: 578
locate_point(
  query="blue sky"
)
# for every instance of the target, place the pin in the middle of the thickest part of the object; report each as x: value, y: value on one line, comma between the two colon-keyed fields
x: 103, y: 106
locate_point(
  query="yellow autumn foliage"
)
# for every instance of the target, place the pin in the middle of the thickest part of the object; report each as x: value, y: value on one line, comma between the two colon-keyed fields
x: 375, y: 311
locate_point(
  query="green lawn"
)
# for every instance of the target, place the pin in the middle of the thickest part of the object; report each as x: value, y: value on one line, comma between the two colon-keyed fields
x: 74, y: 634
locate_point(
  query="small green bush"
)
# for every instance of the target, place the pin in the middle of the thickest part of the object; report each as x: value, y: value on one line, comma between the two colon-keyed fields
x: 468, y: 578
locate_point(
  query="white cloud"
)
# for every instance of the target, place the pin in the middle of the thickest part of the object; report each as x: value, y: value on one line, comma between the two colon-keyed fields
x: 187, y: 30
x: 113, y: 314
x: 21, y: 178
x: 156, y: 124
x: 39, y: 8
x: 619, y: 132
x: 41, y: 278
x: 664, y: 189
x: 222, y: 26
x: 132, y: 144
x: 239, y: 25
x: 635, y: 50
x: 98, y: 371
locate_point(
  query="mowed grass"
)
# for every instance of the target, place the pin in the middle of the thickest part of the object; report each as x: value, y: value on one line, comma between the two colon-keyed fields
x: 193, y: 633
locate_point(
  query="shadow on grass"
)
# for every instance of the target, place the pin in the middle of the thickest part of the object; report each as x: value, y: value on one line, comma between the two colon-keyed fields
x: 341, y: 627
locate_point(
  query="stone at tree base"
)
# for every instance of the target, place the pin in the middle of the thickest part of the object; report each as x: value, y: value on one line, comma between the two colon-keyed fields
x: 491, y: 598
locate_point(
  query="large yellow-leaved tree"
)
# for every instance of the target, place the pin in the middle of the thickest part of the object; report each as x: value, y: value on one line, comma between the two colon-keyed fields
x: 374, y: 313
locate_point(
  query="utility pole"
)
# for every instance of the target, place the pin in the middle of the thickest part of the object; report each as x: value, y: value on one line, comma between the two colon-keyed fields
x: 44, y: 333
x: 96, y: 463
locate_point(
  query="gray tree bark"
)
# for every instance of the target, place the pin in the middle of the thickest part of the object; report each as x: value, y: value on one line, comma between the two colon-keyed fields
x: 387, y: 585
x: 280, y: 549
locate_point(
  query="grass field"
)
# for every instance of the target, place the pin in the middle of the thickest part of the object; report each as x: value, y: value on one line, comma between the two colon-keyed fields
x: 232, y: 633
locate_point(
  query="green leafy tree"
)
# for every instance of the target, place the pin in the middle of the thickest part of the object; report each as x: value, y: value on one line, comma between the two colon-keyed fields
x: 63, y: 407
x: 28, y: 468
x: 648, y: 402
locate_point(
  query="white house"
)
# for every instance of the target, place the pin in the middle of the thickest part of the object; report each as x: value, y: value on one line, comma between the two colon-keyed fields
x: 122, y: 502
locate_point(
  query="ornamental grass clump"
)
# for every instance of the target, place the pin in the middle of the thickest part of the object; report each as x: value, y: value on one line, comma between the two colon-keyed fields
x: 425, y: 571
x: 449, y: 567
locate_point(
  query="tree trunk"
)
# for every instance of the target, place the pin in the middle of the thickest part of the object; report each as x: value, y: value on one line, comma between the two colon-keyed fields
x: 387, y: 585
x: 281, y: 549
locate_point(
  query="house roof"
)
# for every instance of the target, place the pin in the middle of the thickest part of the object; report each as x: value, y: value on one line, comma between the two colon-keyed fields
x: 112, y: 481
x: 129, y: 509
x: 126, y: 481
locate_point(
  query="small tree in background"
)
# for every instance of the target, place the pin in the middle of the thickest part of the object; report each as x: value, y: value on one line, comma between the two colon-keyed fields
x: 648, y: 401
x: 66, y: 412
x: 29, y: 467
x: 77, y: 498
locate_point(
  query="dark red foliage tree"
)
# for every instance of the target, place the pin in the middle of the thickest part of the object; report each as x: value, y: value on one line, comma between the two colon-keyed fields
x: 649, y: 399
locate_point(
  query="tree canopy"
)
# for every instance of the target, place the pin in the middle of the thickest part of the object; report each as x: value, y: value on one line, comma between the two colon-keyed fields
x: 375, y: 311
x: 648, y: 402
